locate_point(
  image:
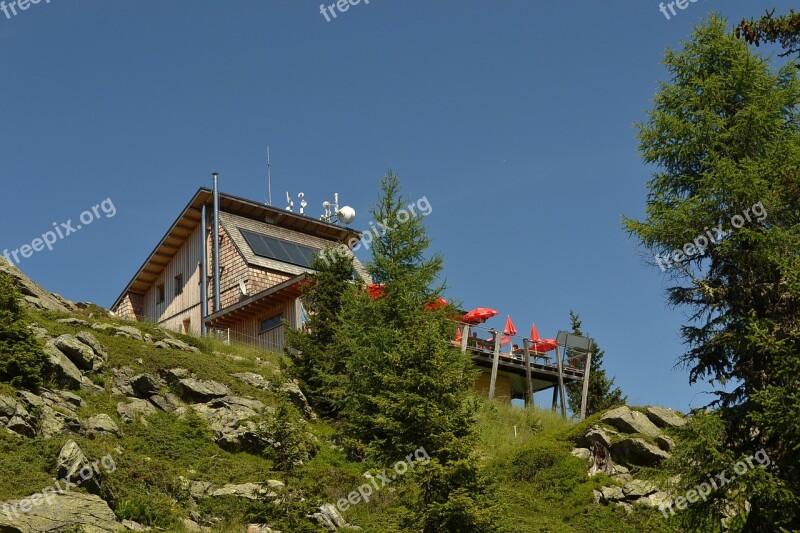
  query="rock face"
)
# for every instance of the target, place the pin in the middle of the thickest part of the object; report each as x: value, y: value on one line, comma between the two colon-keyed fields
x: 65, y: 372
x: 611, y: 451
x: 75, y: 467
x: 197, y: 390
x: 35, y: 296
x: 70, y: 511
x: 663, y: 417
x: 628, y: 421
x: 81, y: 355
x: 637, y: 452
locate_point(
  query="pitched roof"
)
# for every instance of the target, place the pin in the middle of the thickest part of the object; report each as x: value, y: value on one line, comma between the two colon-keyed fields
x: 189, y: 219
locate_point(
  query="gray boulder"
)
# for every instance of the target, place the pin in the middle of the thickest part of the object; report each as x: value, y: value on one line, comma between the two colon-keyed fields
x: 67, y: 511
x: 637, y: 452
x: 91, y: 341
x: 292, y: 390
x: 53, y: 423
x: 33, y: 295
x: 254, y: 380
x: 145, y: 385
x: 134, y: 409
x: 638, y: 488
x: 73, y: 465
x: 76, y: 322
x: 665, y: 443
x: 628, y: 421
x: 101, y: 424
x: 248, y: 491
x: 174, y: 375
x: 201, y: 390
x: 597, y: 435
x: 612, y: 494
x: 128, y: 332
x: 664, y: 417
x: 65, y: 372
x: 80, y: 354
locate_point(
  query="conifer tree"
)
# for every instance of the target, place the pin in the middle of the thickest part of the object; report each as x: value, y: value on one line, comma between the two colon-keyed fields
x: 407, y: 386
x: 21, y: 356
x: 317, y: 364
x: 602, y: 393
x: 724, y: 210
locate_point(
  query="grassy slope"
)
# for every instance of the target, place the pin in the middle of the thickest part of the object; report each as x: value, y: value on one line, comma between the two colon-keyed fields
x: 541, y: 487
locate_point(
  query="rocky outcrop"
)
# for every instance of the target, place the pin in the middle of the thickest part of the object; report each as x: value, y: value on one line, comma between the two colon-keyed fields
x: 624, y: 439
x: 33, y: 295
x: 81, y: 355
x: 196, y: 390
x: 254, y: 380
x: 64, y: 371
x: 637, y: 452
x: 664, y: 417
x: 101, y: 424
x: 67, y: 511
x: 73, y: 466
x: 628, y: 421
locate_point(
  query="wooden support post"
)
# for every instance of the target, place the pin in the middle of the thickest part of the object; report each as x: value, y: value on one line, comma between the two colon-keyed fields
x: 555, y: 398
x: 562, y: 390
x: 495, y: 365
x: 464, y: 337
x: 585, y: 394
x: 528, y: 377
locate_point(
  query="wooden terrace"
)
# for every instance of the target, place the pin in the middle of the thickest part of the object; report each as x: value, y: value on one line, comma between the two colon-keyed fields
x: 528, y: 371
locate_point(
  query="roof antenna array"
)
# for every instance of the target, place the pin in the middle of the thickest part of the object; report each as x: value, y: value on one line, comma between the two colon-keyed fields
x: 345, y: 214
x: 289, y: 202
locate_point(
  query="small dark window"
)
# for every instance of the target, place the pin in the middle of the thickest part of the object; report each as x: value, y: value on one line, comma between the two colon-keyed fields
x: 178, y: 284
x: 160, y: 296
x: 271, y: 323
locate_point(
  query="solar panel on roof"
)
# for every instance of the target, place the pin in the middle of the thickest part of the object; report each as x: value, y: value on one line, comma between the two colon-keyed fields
x: 280, y: 250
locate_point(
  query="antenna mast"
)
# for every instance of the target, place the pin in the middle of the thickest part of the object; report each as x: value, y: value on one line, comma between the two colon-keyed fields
x: 269, y: 177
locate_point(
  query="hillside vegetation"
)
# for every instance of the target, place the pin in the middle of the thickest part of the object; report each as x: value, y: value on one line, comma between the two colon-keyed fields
x: 177, y: 467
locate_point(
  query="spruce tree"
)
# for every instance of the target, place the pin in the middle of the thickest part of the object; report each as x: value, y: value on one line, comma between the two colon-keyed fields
x: 407, y: 387
x: 723, y: 215
x: 602, y: 393
x: 317, y: 363
x: 21, y: 356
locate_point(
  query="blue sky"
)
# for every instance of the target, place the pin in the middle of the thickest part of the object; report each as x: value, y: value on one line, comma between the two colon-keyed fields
x: 514, y: 118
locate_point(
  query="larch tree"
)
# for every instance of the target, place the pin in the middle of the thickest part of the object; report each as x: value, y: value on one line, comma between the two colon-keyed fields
x: 723, y: 220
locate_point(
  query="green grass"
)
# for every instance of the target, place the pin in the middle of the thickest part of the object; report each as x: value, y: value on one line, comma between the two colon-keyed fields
x: 525, y: 453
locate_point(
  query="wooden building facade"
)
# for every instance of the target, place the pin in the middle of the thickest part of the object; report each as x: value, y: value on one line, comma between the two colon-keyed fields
x: 264, y: 256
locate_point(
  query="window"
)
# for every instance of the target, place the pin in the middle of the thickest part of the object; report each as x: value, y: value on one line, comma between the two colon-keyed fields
x: 271, y: 323
x: 187, y: 326
x: 280, y: 250
x: 160, y: 296
x: 178, y: 284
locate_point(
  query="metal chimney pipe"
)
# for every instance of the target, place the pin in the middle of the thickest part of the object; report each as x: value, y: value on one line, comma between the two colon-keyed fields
x: 216, y: 241
x: 204, y: 271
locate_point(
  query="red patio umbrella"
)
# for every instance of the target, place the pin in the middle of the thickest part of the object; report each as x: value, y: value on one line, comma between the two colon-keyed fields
x: 540, y: 345
x: 438, y: 303
x: 509, y: 330
x: 481, y: 314
x: 376, y: 290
